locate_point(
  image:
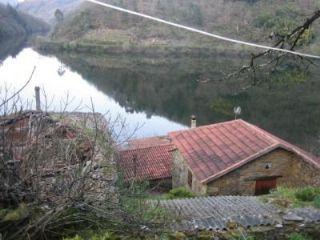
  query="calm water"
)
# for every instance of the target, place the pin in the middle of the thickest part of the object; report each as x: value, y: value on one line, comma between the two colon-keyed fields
x: 160, y: 94
x: 15, y: 71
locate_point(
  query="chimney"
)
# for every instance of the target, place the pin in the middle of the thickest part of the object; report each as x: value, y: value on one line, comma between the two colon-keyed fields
x: 193, y: 121
x: 38, y: 103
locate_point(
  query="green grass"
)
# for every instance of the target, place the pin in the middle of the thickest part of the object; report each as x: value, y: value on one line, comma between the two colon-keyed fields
x: 316, y: 201
x: 177, y: 193
x: 295, y: 197
x: 307, y: 194
x: 103, y: 236
x: 298, y: 236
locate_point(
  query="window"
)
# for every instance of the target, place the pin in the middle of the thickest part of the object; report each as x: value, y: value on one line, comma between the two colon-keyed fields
x: 190, y: 179
x: 268, y: 166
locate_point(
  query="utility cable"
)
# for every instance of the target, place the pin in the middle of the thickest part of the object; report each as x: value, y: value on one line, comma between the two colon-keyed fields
x: 191, y: 29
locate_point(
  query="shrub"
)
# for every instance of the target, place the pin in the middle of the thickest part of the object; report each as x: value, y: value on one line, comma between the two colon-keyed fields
x: 17, y: 214
x: 316, y: 201
x: 298, y: 236
x: 77, y: 237
x: 179, y: 193
x: 307, y: 194
x: 104, y: 236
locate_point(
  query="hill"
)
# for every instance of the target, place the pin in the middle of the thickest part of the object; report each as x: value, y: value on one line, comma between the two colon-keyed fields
x: 11, y: 2
x: 44, y: 9
x: 14, y: 23
x: 246, y: 20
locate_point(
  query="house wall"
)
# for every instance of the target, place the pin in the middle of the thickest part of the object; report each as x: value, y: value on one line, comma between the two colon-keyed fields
x: 292, y: 170
x: 179, y: 171
x: 180, y: 175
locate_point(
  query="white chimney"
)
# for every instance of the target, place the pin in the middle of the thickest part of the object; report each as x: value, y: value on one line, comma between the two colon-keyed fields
x: 193, y: 121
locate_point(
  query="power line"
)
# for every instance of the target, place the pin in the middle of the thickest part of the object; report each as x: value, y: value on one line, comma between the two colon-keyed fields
x: 203, y: 32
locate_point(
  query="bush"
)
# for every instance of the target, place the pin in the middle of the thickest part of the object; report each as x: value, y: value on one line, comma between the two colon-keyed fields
x: 104, y: 236
x: 298, y: 236
x: 17, y: 214
x: 307, y: 194
x: 316, y: 201
x: 179, y: 193
x: 77, y: 237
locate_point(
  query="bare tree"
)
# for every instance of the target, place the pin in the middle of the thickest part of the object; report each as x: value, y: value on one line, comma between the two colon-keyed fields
x: 60, y: 169
x: 271, y: 58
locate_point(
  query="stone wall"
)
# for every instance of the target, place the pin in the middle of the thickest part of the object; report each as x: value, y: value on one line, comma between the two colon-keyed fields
x: 179, y: 171
x: 291, y: 170
x: 180, y: 175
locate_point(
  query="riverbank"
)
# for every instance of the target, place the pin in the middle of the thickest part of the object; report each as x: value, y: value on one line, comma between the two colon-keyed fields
x: 146, y: 50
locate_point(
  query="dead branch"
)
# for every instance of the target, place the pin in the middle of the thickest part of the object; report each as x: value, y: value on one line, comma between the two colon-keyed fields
x: 20, y: 90
x: 289, y: 41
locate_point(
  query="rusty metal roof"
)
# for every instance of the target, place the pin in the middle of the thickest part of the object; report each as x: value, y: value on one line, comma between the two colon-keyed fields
x: 214, y: 150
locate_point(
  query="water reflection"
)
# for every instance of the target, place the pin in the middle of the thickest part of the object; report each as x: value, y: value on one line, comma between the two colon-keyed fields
x: 8, y: 47
x: 15, y: 71
x: 162, y: 93
x: 286, y: 104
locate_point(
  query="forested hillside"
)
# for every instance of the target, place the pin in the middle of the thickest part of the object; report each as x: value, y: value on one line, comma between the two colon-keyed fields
x: 14, y: 23
x: 247, y: 20
x: 11, y: 2
x: 45, y: 9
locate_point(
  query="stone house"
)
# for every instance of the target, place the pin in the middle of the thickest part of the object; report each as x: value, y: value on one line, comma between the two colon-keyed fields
x: 238, y: 158
x: 228, y: 158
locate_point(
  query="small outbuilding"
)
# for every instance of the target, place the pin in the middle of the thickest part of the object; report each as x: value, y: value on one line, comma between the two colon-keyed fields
x: 228, y: 158
x: 238, y: 158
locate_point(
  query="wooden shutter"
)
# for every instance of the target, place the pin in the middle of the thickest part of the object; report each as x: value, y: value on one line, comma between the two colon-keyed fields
x: 264, y: 186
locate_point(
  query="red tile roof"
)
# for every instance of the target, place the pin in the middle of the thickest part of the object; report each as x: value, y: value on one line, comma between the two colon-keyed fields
x: 146, y: 163
x: 214, y: 150
x: 146, y: 142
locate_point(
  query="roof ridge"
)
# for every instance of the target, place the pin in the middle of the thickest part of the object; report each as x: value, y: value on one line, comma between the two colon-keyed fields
x: 290, y: 146
x: 140, y: 148
x: 283, y: 143
x: 262, y: 132
x: 205, y: 126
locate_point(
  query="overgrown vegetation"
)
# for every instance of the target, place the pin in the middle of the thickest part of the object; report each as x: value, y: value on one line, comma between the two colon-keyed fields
x: 299, y: 236
x: 178, y: 193
x: 295, y: 197
x: 307, y: 194
x: 61, y: 180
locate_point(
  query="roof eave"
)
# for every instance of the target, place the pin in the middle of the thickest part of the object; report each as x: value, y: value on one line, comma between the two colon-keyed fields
x: 257, y: 155
x: 241, y: 163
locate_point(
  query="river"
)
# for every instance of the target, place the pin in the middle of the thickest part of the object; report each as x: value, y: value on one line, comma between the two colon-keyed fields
x: 71, y: 87
x: 158, y: 95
